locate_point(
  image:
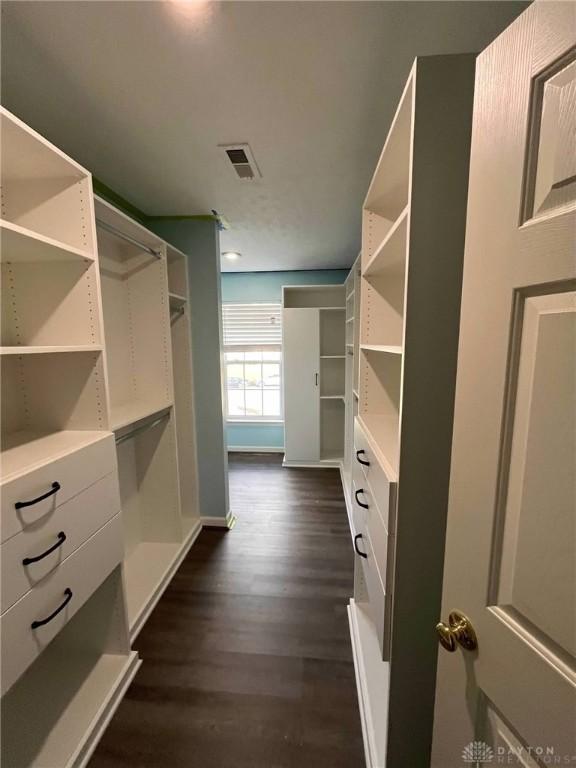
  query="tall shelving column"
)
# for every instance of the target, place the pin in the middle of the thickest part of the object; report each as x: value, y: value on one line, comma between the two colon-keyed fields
x: 145, y: 303
x: 413, y: 224
x: 66, y: 658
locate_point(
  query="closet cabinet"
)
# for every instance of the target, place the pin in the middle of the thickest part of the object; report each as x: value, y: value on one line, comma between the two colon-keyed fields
x: 66, y: 657
x: 99, y: 478
x: 352, y: 292
x: 413, y: 224
x: 314, y: 357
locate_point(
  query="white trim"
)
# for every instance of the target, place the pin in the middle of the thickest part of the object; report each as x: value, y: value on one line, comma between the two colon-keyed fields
x: 144, y: 614
x: 250, y: 420
x: 361, y: 685
x: 255, y: 449
x: 219, y: 522
x: 85, y: 749
x: 322, y: 464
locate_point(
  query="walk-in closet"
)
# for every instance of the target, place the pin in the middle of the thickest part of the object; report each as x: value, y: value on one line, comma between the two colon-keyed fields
x: 287, y: 371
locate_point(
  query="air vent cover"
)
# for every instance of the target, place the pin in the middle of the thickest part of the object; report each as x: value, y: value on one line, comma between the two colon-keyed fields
x: 240, y: 159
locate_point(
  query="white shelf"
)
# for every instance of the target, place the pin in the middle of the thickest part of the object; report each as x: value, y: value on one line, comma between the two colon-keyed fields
x: 31, y: 350
x: 332, y: 357
x: 332, y: 397
x: 355, y: 393
x: 332, y: 457
x: 350, y: 295
x: 128, y: 413
x: 103, y: 680
x: 350, y: 319
x: 176, y: 300
x: 382, y: 431
x: 24, y: 450
x: 22, y: 244
x: 391, y: 253
x: 145, y: 569
x: 391, y: 349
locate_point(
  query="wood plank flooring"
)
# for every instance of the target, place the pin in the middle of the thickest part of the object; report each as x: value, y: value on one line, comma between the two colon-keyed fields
x: 247, y: 657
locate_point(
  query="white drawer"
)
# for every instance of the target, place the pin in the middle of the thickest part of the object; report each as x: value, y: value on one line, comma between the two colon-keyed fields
x: 81, y: 573
x: 69, y: 526
x: 375, y: 596
x: 383, y: 489
x: 365, y: 506
x: 74, y: 472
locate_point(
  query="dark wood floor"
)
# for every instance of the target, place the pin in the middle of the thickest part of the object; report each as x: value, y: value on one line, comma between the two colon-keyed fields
x: 247, y: 658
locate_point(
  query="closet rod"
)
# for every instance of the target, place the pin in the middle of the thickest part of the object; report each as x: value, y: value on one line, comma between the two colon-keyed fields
x: 141, y: 428
x: 124, y: 236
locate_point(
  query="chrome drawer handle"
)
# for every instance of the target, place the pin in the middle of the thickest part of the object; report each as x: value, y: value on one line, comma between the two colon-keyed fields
x: 361, y: 461
x: 360, y: 503
x: 358, y: 552
x: 54, y: 488
x: 41, y: 622
x: 37, y: 558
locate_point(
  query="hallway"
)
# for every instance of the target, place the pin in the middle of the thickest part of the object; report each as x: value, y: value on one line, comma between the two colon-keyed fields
x: 247, y: 657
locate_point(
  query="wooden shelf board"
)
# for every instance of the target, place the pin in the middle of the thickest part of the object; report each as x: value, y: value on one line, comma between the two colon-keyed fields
x: 176, y: 300
x: 382, y: 431
x: 103, y: 681
x: 128, y: 413
x: 24, y: 450
x: 22, y: 244
x: 390, y: 349
x: 391, y: 253
x: 31, y: 350
x: 144, y: 571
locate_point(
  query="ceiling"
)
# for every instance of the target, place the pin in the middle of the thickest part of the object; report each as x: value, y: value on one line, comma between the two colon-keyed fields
x: 142, y: 94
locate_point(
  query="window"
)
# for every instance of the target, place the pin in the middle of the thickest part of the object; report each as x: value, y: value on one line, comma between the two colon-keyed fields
x: 253, y: 361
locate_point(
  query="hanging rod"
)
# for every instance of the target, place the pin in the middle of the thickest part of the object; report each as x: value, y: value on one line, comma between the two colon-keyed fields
x: 141, y: 428
x: 124, y: 236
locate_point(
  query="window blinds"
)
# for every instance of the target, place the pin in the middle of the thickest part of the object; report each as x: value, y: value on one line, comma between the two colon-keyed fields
x: 252, y: 325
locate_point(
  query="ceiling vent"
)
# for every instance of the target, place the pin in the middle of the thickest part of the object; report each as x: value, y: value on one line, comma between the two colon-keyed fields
x: 241, y: 159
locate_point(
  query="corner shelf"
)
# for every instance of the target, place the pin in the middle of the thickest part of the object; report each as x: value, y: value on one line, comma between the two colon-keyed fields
x: 391, y: 349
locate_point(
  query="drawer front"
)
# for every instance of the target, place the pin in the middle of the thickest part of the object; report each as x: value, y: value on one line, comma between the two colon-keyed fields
x: 376, y: 597
x: 383, y: 490
x: 82, y: 573
x: 373, y: 524
x: 77, y: 519
x: 73, y: 472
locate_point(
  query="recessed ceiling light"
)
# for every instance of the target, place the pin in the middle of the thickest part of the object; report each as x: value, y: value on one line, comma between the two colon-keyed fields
x: 231, y: 255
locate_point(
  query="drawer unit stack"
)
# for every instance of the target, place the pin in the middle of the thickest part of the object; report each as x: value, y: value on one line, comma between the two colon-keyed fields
x: 98, y: 458
x: 413, y: 223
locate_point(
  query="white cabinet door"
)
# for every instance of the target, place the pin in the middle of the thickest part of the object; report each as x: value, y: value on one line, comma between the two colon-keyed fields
x: 301, y: 345
x: 510, y: 549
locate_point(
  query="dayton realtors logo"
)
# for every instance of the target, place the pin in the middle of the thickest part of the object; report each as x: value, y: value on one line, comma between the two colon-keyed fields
x: 477, y: 753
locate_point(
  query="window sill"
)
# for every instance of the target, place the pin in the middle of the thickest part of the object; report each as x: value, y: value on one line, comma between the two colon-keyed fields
x: 272, y: 422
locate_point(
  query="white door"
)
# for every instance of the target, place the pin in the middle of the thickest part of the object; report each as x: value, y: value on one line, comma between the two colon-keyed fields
x: 510, y: 551
x: 301, y: 346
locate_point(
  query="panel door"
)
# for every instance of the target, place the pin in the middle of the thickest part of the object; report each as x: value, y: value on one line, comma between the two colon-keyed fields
x: 301, y: 345
x: 510, y: 553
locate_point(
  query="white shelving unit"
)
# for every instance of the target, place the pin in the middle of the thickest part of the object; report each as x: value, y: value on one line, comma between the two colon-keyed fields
x: 352, y: 289
x: 413, y: 223
x: 149, y: 357
x: 314, y: 350
x: 97, y: 420
x: 66, y: 657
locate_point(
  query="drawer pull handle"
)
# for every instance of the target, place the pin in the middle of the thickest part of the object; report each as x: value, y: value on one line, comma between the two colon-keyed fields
x: 42, y: 622
x: 30, y: 560
x: 360, y: 503
x: 54, y: 488
x: 358, y: 552
x: 362, y: 461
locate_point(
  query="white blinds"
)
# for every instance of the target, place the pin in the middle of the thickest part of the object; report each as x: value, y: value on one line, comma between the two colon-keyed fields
x: 252, y: 325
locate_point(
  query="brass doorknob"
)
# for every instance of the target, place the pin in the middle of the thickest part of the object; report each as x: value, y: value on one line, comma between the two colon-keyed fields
x: 458, y: 630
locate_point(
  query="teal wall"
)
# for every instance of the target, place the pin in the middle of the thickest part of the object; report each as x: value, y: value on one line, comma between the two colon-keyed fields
x: 255, y: 287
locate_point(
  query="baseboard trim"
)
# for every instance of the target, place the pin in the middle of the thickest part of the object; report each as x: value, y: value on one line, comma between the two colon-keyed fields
x: 85, y: 750
x: 219, y: 522
x: 254, y: 449
x: 360, y: 674
x: 144, y: 614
